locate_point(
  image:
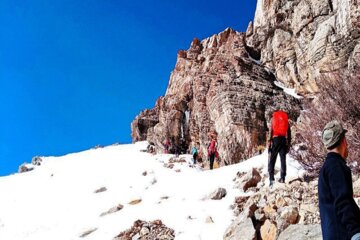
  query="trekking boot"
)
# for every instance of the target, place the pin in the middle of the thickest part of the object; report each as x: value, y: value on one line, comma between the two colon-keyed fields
x: 281, y: 180
x: 271, y: 184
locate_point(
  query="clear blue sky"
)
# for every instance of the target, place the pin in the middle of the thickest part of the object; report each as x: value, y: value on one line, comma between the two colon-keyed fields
x: 74, y: 74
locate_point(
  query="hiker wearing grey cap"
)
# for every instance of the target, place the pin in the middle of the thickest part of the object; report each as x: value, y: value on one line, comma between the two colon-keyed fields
x: 339, y: 214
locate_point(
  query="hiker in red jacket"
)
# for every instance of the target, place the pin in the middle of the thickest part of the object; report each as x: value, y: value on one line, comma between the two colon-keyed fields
x: 279, y: 143
x: 212, y: 151
x: 166, y: 144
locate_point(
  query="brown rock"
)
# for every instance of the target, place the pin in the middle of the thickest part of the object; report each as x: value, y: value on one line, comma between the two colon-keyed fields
x: 281, y: 202
x: 251, y: 179
x: 134, y: 202
x: 268, y: 231
x: 239, y: 204
x: 289, y: 214
x: 218, y: 194
x: 112, y: 210
x: 102, y: 189
x: 270, y: 210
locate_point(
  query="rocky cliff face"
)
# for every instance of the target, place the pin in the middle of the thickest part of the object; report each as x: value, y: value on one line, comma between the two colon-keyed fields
x: 298, y: 40
x: 216, y: 85
x: 226, y: 82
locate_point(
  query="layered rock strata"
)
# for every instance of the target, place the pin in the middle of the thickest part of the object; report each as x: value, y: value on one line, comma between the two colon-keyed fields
x: 216, y: 85
x: 298, y: 40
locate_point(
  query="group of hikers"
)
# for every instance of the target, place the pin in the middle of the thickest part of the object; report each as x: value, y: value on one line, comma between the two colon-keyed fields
x: 339, y: 213
x: 212, y: 152
x: 171, y: 147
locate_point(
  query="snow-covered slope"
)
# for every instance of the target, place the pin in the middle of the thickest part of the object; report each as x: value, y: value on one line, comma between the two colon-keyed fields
x: 57, y: 199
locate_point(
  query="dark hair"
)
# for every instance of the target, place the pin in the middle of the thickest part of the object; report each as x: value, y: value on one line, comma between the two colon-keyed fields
x: 335, y: 145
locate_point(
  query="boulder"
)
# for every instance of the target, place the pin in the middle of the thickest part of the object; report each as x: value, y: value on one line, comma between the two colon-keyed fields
x: 289, y: 214
x: 301, y: 232
x: 218, y: 194
x: 251, y: 179
x: 241, y: 228
x: 268, y: 231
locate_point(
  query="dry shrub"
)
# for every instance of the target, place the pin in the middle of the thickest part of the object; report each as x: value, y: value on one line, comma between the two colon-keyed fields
x: 338, y: 99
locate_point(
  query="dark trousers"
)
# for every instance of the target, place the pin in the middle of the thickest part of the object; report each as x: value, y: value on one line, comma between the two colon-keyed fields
x: 212, y: 158
x: 278, y: 146
x: 195, y: 157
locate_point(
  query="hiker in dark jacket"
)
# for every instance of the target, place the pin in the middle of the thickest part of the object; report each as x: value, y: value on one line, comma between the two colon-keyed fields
x: 339, y: 214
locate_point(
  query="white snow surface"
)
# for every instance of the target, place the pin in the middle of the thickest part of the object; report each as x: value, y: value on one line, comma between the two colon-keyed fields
x: 57, y: 201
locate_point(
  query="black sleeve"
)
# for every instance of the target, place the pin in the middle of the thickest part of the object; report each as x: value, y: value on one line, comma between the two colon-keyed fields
x: 343, y: 196
x: 270, y: 131
x: 289, y: 136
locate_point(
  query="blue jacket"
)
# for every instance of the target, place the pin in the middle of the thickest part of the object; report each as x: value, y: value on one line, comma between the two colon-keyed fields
x: 194, y: 150
x: 339, y: 214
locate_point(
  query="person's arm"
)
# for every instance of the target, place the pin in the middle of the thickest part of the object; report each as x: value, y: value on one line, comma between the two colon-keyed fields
x: 288, y: 139
x: 343, y: 196
x: 270, y: 135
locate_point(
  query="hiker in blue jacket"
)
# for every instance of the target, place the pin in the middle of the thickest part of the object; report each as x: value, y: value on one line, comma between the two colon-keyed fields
x: 339, y: 214
x: 194, y: 153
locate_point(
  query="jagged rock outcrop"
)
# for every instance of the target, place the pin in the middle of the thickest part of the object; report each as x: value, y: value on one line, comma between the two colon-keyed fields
x: 298, y: 40
x: 217, y: 86
x: 36, y: 161
x: 25, y: 167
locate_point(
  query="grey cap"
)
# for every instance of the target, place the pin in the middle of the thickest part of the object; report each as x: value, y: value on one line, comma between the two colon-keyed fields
x: 332, y: 133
